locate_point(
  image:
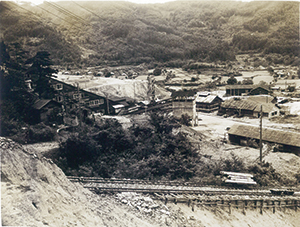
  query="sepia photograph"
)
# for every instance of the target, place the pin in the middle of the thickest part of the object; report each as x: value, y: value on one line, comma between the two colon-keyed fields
x: 150, y: 113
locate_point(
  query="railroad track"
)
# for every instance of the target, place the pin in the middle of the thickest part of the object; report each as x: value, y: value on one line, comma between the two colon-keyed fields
x: 101, y: 185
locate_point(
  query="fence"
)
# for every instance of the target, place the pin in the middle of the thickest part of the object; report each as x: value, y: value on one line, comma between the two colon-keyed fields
x: 242, y: 204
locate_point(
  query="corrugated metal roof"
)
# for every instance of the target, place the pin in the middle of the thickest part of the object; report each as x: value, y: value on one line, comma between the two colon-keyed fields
x: 268, y: 134
x: 39, y: 104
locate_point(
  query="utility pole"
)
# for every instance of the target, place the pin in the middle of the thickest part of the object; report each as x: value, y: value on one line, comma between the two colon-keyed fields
x: 260, y: 135
x: 79, y: 103
x: 107, y: 102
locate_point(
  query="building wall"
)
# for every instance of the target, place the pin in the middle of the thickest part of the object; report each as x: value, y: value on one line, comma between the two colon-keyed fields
x: 181, y: 107
x: 238, y: 92
x: 207, y: 107
x: 72, y: 97
x: 185, y: 106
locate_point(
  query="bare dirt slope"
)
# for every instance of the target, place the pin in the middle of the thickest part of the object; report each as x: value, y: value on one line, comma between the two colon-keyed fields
x: 35, y: 192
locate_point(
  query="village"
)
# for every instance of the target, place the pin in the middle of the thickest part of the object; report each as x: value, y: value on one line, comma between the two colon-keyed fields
x: 208, y: 99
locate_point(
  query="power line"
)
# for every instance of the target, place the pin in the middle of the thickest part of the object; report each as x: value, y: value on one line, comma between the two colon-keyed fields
x: 73, y: 24
x: 31, y: 13
x: 66, y: 12
x: 87, y: 10
x: 27, y: 11
x: 53, y: 14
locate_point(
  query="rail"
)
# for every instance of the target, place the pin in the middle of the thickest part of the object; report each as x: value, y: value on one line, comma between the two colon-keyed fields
x: 131, y: 181
x: 102, y: 185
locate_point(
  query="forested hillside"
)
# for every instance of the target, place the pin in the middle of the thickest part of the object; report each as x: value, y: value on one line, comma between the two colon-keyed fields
x: 118, y: 33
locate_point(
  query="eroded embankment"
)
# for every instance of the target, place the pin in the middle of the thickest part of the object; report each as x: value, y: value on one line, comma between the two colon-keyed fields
x: 35, y: 192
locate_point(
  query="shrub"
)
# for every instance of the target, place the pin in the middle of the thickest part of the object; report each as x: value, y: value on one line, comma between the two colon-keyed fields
x: 265, y: 174
x: 185, y: 119
x: 157, y: 72
x: 40, y: 133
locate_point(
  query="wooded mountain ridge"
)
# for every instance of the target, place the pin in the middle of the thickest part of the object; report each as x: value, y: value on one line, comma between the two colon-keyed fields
x: 118, y: 33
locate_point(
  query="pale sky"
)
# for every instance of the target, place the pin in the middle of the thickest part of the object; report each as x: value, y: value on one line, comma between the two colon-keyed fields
x: 37, y: 2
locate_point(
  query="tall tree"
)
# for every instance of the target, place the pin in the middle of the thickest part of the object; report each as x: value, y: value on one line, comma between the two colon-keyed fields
x: 40, y: 71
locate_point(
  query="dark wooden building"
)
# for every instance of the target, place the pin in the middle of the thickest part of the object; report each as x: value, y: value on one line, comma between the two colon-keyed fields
x: 259, y: 91
x: 72, y: 98
x: 245, y: 134
x: 238, y: 90
x: 47, y: 110
x: 208, y: 103
x: 245, y: 107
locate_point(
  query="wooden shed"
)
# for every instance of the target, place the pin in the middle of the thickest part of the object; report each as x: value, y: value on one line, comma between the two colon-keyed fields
x: 287, y: 141
x: 245, y: 107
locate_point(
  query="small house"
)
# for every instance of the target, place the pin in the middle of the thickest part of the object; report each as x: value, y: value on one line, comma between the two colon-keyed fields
x: 207, y: 103
x: 47, y: 110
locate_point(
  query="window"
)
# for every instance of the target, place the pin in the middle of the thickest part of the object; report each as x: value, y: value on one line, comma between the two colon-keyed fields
x: 75, y: 96
x: 59, y: 98
x: 58, y: 86
x: 96, y: 102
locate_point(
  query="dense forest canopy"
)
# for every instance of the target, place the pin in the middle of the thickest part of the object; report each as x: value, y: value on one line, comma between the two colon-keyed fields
x: 118, y: 33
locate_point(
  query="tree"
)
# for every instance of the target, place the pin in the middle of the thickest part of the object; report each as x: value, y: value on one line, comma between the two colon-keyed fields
x: 291, y: 88
x: 40, y: 71
x: 156, y: 71
x: 270, y: 70
x: 232, y: 80
x: 185, y: 119
x: 247, y: 81
x: 15, y: 100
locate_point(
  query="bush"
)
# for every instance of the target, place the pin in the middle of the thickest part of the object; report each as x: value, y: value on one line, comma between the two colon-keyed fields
x: 265, y: 174
x: 149, y: 150
x: 40, y: 133
x: 157, y: 72
x: 232, y: 80
x: 185, y: 119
